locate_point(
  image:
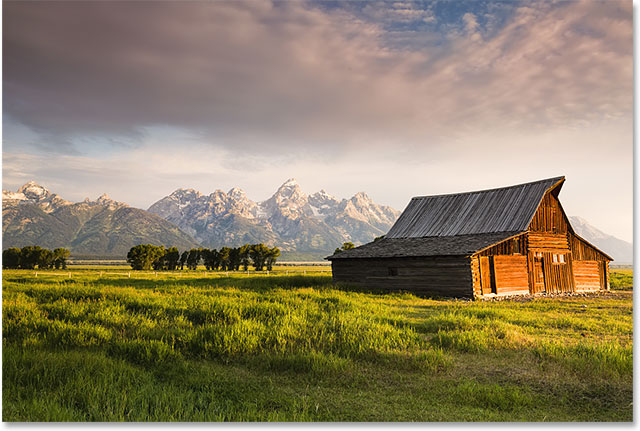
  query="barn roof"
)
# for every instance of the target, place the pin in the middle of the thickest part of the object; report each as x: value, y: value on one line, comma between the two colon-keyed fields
x: 458, y: 224
x: 422, y: 247
x: 506, y: 209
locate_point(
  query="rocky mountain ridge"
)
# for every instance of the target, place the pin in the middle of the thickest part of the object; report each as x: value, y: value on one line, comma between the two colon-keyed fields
x: 290, y: 218
x: 35, y: 216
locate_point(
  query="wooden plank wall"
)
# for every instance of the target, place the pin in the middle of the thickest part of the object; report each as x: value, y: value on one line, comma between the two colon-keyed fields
x: 443, y: 275
x: 587, y: 274
x: 476, y: 276
x: 516, y: 245
x: 558, y: 277
x: 549, y: 217
x: 511, y: 275
x: 583, y: 251
x: 547, y: 241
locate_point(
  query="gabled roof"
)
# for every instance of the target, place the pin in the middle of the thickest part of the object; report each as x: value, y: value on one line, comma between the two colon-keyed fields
x: 460, y: 223
x: 421, y: 247
x: 507, y: 209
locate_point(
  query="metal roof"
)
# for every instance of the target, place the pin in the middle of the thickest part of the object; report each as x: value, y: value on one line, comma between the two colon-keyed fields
x: 507, y: 209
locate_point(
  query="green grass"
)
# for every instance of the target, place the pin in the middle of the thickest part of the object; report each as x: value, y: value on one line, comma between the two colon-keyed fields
x: 196, y: 347
x: 621, y: 279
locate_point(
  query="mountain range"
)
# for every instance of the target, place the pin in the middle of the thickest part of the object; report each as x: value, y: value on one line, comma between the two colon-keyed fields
x: 305, y: 227
x: 104, y: 227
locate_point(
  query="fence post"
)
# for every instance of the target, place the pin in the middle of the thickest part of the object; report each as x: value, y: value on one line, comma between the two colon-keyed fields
x: 156, y: 274
x: 304, y: 272
x: 69, y: 275
x: 129, y: 275
x: 36, y: 274
x: 227, y: 273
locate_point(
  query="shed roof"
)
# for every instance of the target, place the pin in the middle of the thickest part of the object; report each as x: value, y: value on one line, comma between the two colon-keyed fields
x: 506, y: 209
x: 427, y: 246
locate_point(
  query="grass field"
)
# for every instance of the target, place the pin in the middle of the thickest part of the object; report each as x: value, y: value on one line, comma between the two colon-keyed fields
x: 106, y: 346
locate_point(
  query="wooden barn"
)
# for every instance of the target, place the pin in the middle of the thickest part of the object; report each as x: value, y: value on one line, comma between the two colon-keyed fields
x: 506, y: 241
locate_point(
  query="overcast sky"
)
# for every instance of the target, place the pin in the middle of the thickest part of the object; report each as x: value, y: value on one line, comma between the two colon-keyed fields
x: 393, y: 98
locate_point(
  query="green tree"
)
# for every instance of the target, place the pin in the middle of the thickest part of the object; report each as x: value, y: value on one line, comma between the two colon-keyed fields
x: 30, y: 256
x: 183, y: 259
x: 142, y: 256
x: 224, y: 257
x: 45, y: 259
x: 244, y: 256
x: 60, y: 256
x: 345, y: 246
x: 193, y: 259
x: 234, y: 259
x: 258, y: 254
x: 11, y: 258
x: 172, y: 258
x: 272, y: 256
x: 161, y: 262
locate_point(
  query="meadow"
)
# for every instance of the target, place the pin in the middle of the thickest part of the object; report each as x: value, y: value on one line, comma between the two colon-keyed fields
x: 114, y: 345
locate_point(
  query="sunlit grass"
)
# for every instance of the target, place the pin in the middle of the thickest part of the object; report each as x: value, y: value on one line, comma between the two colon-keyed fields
x: 294, y: 347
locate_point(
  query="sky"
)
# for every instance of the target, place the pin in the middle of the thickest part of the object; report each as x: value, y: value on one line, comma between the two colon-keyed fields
x: 397, y: 99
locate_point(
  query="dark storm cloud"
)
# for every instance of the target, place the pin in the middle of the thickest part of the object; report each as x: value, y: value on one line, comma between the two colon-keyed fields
x: 248, y: 74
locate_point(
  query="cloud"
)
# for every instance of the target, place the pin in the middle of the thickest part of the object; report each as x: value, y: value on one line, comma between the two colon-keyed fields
x: 291, y: 77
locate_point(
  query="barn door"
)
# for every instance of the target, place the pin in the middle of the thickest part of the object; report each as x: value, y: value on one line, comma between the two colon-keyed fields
x: 558, y: 274
x: 487, y: 275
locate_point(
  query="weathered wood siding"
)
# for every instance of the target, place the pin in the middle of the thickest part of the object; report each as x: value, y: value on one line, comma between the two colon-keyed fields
x: 547, y: 241
x: 516, y: 245
x: 476, y: 276
x: 584, y: 251
x: 558, y: 277
x: 549, y: 217
x: 587, y: 274
x: 442, y: 275
x: 511, y: 275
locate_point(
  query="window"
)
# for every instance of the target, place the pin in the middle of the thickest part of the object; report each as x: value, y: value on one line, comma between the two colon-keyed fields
x: 393, y: 271
x: 558, y: 258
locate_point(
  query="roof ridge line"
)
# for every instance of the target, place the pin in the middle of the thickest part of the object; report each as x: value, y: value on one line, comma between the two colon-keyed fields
x: 489, y: 190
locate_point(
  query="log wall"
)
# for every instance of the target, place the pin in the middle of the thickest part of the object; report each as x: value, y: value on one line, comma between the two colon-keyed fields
x: 587, y: 274
x: 443, y: 275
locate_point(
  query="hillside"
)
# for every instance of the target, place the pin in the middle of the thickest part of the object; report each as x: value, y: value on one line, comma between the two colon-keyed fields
x: 35, y: 216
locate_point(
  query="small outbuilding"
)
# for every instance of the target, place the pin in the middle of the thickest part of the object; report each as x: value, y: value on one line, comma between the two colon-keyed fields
x: 505, y: 241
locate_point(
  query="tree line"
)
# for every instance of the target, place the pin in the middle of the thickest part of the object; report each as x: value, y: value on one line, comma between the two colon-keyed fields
x: 31, y: 256
x: 148, y: 256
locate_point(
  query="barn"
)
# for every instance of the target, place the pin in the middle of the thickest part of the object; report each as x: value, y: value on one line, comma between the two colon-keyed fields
x: 504, y: 241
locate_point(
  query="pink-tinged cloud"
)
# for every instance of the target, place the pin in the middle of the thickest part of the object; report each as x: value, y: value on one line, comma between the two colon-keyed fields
x: 246, y: 75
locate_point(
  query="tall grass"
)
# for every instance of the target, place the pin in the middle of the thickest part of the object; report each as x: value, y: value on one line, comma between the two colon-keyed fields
x: 143, y: 348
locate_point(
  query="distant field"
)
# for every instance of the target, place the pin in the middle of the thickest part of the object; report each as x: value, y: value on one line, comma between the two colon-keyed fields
x: 109, y: 346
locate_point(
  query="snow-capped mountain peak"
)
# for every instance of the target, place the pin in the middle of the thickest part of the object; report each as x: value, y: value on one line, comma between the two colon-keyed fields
x: 34, y: 191
x: 290, y: 218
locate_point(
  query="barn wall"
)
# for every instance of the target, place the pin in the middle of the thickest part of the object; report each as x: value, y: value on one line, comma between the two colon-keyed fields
x: 544, y: 241
x: 443, y: 275
x: 586, y: 274
x: 584, y: 251
x: 549, y: 217
x: 516, y: 245
x: 511, y: 275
